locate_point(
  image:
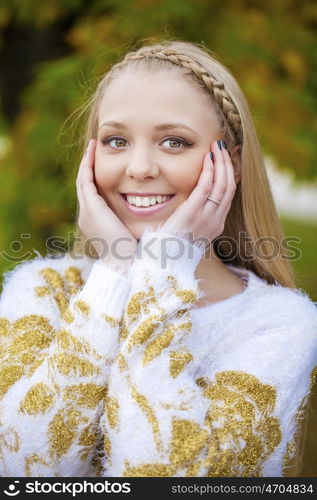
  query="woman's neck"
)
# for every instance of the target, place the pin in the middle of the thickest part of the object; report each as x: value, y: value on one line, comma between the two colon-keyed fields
x: 219, y: 283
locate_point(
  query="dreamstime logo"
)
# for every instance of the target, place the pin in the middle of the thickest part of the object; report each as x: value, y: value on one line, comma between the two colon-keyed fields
x: 13, y: 492
x: 245, y: 248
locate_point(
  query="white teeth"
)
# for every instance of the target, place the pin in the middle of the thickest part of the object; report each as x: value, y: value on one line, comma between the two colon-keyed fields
x: 146, y: 201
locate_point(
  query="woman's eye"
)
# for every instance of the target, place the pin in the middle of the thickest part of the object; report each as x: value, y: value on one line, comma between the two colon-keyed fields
x: 116, y: 139
x: 175, y: 142
x: 178, y: 142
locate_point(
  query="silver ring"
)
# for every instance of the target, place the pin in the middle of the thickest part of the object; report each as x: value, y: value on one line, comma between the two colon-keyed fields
x: 215, y: 201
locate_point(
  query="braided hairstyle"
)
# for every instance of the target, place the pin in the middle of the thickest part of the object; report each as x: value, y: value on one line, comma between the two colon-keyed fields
x: 253, y: 213
x: 206, y: 80
x: 154, y: 57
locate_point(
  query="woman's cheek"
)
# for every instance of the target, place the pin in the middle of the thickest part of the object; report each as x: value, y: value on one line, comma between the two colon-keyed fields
x: 106, y: 177
x: 185, y: 176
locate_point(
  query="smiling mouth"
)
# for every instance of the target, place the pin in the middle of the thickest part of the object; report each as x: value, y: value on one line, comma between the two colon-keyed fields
x: 157, y: 203
x: 144, y: 211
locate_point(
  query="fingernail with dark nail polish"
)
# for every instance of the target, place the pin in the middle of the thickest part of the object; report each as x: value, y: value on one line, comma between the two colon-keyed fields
x: 212, y: 156
x: 219, y: 145
x: 224, y: 144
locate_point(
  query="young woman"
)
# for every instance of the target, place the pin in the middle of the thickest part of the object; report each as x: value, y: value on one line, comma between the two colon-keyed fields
x: 160, y: 349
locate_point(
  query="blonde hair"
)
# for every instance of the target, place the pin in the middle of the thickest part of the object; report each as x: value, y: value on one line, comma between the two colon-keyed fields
x: 253, y: 212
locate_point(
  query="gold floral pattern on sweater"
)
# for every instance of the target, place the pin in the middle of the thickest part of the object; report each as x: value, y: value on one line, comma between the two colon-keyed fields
x: 187, y: 440
x: 24, y: 343
x: 188, y: 411
x: 61, y: 288
x: 239, y: 432
x: 240, y: 414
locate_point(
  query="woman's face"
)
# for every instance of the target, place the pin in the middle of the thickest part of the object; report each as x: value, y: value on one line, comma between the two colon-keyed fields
x: 145, y: 153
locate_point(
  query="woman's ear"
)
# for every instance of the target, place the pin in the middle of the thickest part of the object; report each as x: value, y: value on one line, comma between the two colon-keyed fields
x: 235, y: 153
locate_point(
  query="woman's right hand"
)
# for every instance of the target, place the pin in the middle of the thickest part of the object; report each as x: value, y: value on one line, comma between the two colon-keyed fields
x: 111, y: 239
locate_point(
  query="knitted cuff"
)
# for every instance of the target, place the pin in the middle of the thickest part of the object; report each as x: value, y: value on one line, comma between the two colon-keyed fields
x: 167, y: 251
x: 105, y: 290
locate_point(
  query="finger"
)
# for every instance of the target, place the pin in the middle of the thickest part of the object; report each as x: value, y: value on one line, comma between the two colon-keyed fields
x: 198, y: 196
x: 219, y: 186
x: 231, y: 185
x: 79, y: 179
x: 83, y: 158
x: 83, y: 164
x: 87, y: 174
x: 79, y: 182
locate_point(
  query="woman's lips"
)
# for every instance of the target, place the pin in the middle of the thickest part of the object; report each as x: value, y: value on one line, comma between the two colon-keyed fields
x: 145, y: 210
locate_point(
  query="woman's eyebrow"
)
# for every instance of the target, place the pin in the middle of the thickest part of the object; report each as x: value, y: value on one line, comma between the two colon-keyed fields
x: 162, y: 126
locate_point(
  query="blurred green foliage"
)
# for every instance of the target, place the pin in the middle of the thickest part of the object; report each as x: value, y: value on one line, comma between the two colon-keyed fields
x: 305, y: 266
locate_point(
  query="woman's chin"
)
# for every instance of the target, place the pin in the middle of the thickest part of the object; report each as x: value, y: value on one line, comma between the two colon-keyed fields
x: 138, y: 228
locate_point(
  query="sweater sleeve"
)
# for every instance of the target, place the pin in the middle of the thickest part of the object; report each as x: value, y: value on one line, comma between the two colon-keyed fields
x: 294, y: 381
x: 155, y: 412
x: 284, y: 364
x: 59, y: 335
x: 259, y: 386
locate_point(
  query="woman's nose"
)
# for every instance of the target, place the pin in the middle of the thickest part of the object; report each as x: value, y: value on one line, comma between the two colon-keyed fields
x: 140, y: 165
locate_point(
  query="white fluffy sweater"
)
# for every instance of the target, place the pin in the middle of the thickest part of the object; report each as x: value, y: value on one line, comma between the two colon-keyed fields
x: 109, y: 375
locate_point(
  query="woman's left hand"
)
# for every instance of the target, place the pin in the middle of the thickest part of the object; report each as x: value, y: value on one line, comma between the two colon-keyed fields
x: 204, y: 218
